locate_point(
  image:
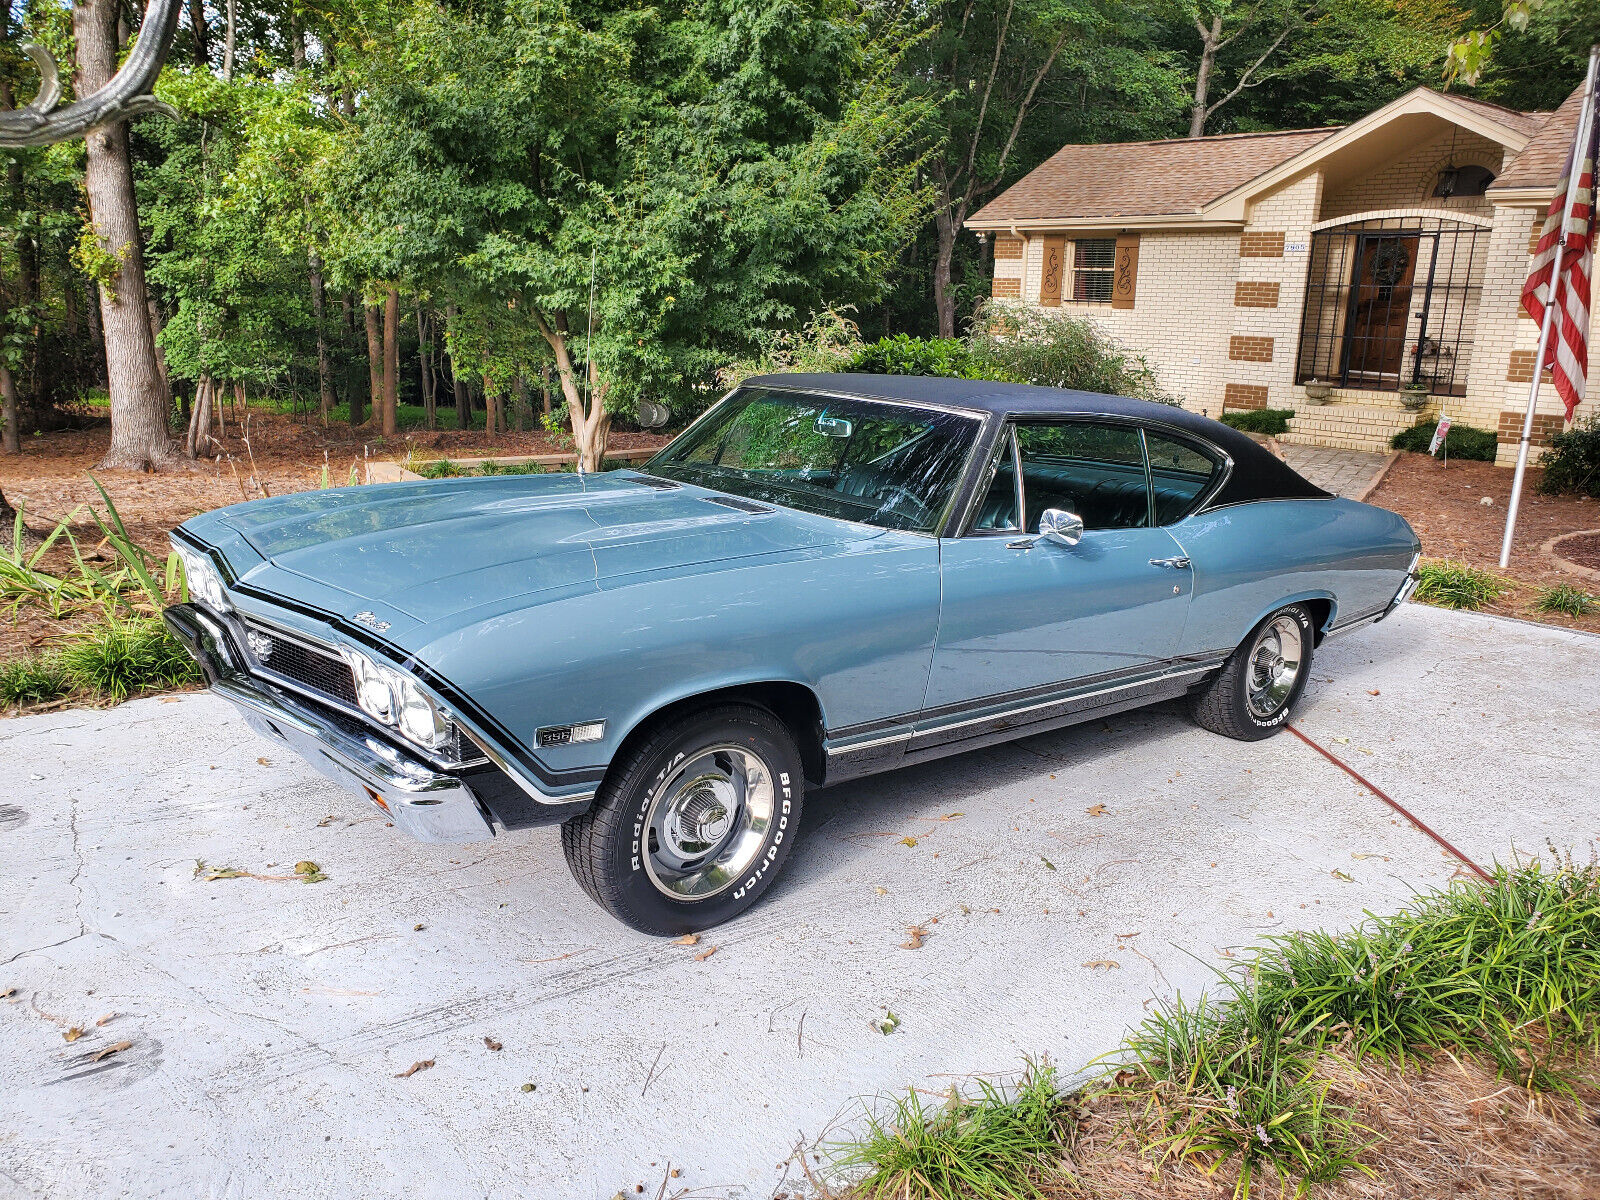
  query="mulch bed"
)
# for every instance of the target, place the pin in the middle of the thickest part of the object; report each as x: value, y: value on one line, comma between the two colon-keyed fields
x: 1585, y: 551
x: 1444, y: 504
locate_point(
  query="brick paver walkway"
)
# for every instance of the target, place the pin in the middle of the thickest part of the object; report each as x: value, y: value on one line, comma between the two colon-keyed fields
x: 1342, y: 472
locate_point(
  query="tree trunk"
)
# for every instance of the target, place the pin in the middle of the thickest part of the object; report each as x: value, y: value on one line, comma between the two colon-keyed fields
x: 946, y: 226
x: 8, y: 515
x: 155, y: 337
x: 199, y: 418
x: 544, y: 387
x: 374, y: 361
x: 1202, y: 80
x: 11, y: 442
x: 139, y: 402
x: 591, y: 427
x: 319, y: 306
x: 425, y: 370
x: 391, y: 364
x: 200, y: 32
x: 227, y: 44
x: 521, y: 414
x: 463, y: 398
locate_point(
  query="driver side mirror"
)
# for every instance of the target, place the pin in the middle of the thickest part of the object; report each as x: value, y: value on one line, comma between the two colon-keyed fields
x: 1060, y: 526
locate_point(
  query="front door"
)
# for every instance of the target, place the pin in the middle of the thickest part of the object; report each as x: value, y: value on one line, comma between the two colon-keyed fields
x: 1380, y: 307
x: 1022, y: 619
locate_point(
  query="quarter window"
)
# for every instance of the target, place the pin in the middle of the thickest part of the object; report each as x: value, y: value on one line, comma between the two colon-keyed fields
x: 1178, y: 474
x: 1094, y: 265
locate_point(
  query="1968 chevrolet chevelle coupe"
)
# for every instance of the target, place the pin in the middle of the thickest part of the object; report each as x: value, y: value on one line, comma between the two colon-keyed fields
x: 822, y: 577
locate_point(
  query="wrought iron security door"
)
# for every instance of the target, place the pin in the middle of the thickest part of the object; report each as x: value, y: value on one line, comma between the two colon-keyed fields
x: 1392, y: 301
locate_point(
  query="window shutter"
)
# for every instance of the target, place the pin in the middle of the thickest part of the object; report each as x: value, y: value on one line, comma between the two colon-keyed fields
x: 1054, y: 267
x: 1126, y: 277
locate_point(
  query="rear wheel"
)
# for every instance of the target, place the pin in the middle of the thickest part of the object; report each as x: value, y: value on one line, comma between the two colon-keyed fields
x: 1253, y: 694
x: 693, y: 824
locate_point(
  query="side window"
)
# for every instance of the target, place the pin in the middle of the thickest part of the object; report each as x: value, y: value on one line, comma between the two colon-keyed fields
x: 1096, y: 471
x: 1178, y: 473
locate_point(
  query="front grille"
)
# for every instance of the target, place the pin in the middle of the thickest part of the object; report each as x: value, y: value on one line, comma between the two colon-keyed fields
x: 321, y: 671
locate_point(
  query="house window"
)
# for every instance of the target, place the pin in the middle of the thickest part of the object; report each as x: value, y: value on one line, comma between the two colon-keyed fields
x: 1094, y: 265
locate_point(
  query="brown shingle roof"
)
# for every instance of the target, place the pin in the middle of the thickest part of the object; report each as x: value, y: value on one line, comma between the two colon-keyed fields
x: 1137, y: 179
x: 1527, y: 124
x: 1541, y: 160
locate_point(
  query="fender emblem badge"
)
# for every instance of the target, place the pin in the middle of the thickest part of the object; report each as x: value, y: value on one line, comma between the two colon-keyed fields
x: 260, y: 645
x: 370, y: 620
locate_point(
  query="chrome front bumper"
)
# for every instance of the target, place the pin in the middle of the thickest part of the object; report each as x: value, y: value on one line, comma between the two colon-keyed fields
x: 429, y: 805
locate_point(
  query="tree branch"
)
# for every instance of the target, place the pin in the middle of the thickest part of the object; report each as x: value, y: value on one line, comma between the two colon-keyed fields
x: 1244, y: 79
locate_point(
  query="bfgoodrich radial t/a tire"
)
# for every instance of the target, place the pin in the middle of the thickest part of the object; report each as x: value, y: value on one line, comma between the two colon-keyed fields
x: 1253, y: 694
x: 693, y: 824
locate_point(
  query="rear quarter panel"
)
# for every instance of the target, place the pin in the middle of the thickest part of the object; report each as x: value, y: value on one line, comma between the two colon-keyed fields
x: 1251, y: 558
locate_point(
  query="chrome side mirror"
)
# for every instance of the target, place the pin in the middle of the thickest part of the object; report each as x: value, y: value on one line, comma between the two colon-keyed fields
x: 1060, y: 526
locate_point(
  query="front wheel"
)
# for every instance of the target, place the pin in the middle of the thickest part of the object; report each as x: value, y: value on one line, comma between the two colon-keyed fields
x: 693, y: 824
x: 1251, y: 697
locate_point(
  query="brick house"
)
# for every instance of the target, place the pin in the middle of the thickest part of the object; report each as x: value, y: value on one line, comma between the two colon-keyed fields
x: 1384, y: 253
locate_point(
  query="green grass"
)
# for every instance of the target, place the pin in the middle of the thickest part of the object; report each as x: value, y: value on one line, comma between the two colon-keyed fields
x: 123, y: 657
x: 1456, y: 585
x: 1463, y: 441
x: 1260, y: 420
x: 33, y: 680
x: 443, y: 468
x: 1564, y: 598
x: 1508, y: 970
x: 990, y: 1144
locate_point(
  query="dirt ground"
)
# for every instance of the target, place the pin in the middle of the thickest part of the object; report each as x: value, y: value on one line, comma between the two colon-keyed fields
x: 1444, y: 504
x: 50, y: 479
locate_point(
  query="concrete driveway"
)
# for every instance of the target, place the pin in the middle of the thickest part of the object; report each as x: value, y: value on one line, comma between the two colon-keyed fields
x: 269, y: 1022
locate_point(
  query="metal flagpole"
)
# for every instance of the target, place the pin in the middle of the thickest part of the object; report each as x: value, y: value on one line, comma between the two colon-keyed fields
x: 1585, y: 125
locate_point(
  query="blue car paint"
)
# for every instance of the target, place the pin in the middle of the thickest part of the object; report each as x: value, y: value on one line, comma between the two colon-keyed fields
x: 556, y: 599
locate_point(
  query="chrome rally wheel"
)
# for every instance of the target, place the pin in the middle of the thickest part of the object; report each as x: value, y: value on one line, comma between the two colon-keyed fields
x: 1275, y: 663
x: 693, y: 822
x: 1253, y: 694
x: 708, y: 822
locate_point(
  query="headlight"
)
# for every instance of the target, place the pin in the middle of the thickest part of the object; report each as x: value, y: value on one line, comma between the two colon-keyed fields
x: 393, y: 698
x: 205, y: 585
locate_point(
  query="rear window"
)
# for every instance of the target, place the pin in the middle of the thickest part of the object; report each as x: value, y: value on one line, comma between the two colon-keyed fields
x: 1179, y: 473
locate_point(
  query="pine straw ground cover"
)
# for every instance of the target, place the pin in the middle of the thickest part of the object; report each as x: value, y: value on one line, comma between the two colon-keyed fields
x: 1448, y: 1050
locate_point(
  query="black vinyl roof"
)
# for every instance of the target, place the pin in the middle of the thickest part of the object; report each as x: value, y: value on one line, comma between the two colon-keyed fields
x: 1258, y: 474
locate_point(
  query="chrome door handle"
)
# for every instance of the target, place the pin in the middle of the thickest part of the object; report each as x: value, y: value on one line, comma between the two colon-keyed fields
x: 1178, y: 563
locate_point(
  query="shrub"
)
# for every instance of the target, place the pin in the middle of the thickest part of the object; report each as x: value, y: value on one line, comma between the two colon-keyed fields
x: 948, y: 358
x: 1030, y: 345
x: 1456, y: 585
x: 120, y: 658
x: 1564, y: 598
x: 1572, y: 461
x: 33, y: 681
x: 1463, y: 441
x: 1260, y: 420
x: 828, y: 342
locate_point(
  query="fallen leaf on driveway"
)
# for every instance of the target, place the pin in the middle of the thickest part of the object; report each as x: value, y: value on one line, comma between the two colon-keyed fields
x: 887, y: 1023
x: 1103, y: 964
x: 1338, y: 874
x: 423, y: 1065
x: 170, y: 699
x: 1098, y: 810
x: 1047, y: 862
x: 117, y: 1048
x: 492, y: 1044
x: 263, y: 762
x: 309, y: 871
x: 1372, y: 691
x: 687, y: 939
x: 955, y: 816
x: 1356, y: 855
x: 908, y: 841
x: 106, y: 1020
x: 1343, y: 741
x: 8, y: 994
x: 705, y: 954
x: 882, y: 891
x: 73, y: 1034
x: 916, y: 933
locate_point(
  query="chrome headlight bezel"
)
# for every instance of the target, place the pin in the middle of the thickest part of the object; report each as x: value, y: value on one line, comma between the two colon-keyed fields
x: 397, y: 701
x: 202, y: 578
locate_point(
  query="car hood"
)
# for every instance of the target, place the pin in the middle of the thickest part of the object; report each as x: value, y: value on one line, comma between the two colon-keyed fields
x: 433, y: 549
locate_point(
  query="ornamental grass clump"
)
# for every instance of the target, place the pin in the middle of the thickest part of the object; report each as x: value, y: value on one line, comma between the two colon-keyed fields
x: 33, y: 680
x: 1564, y: 598
x: 123, y: 657
x: 1456, y: 585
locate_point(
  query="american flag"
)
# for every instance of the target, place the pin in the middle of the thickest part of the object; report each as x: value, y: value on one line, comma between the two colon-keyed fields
x: 1573, y: 228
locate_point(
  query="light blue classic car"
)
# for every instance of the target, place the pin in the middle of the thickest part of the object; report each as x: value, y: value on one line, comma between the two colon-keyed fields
x: 824, y: 576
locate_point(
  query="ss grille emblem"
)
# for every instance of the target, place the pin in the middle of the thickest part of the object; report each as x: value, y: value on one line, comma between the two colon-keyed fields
x: 370, y: 620
x: 260, y: 645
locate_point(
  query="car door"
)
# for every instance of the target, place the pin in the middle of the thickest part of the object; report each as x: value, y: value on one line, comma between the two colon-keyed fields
x: 1024, y: 618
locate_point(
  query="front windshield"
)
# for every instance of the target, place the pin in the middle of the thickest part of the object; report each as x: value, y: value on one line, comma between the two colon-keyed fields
x: 891, y: 465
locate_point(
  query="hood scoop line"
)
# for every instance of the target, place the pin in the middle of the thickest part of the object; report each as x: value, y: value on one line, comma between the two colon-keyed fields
x: 734, y: 502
